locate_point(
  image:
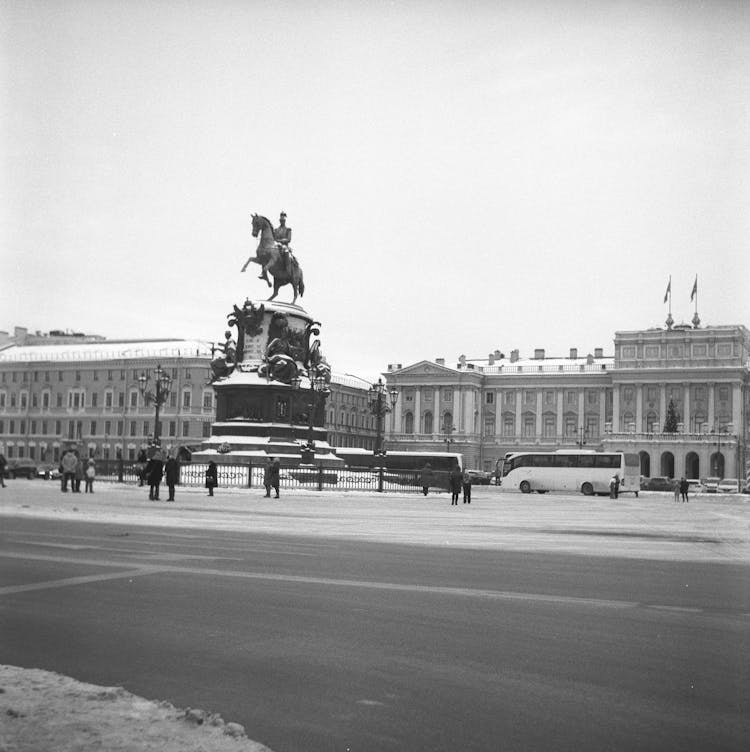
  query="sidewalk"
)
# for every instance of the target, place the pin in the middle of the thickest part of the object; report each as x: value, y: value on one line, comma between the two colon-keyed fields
x: 709, y: 528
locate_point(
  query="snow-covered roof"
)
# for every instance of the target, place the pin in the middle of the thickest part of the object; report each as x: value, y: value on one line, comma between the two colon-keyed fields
x: 549, y: 365
x: 348, y: 379
x: 104, y: 351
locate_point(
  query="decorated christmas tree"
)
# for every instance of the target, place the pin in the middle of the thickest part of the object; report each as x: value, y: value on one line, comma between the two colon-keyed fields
x: 670, y: 424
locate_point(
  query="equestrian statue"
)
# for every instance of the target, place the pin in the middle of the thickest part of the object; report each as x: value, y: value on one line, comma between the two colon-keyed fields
x: 275, y: 256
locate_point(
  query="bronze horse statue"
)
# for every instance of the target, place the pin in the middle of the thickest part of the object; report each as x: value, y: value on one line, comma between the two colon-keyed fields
x: 282, y: 265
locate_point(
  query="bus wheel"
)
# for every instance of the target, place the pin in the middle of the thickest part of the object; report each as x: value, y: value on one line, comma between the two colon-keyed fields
x: 525, y: 487
x: 587, y: 489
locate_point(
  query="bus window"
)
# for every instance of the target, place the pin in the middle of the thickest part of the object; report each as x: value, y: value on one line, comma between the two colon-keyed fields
x: 606, y: 460
x: 586, y: 460
x: 566, y: 460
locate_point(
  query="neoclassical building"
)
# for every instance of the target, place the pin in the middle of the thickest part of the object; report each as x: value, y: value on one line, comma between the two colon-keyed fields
x: 486, y: 408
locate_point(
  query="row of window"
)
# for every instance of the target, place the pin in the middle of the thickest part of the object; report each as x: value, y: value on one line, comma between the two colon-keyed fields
x: 76, y: 399
x: 528, y: 425
x: 27, y: 376
x: 675, y: 393
x: 74, y: 429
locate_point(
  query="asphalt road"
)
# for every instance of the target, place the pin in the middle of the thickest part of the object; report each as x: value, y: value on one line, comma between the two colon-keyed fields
x: 329, y: 644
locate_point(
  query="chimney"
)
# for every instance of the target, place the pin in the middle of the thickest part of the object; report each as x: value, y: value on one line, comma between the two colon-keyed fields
x: 513, y: 356
x: 573, y: 353
x: 598, y: 352
x: 440, y: 361
x: 539, y: 353
x: 394, y: 366
x: 491, y: 359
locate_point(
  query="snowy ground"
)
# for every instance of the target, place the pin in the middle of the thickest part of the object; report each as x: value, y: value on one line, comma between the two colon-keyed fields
x: 45, y: 712
x: 42, y: 712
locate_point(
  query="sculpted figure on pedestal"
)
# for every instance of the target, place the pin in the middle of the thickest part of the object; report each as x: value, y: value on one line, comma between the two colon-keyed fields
x: 275, y: 256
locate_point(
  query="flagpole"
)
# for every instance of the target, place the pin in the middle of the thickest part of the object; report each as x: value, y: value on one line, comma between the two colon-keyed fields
x: 694, y: 294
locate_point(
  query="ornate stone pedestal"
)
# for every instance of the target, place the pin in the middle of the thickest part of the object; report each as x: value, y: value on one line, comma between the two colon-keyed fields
x: 265, y: 391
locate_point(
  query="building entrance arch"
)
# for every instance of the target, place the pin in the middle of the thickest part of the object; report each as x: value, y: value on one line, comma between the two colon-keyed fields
x: 692, y: 465
x: 645, y: 459
x: 667, y: 464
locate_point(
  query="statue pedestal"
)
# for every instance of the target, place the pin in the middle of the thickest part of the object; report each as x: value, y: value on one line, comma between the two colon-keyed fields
x: 261, y: 411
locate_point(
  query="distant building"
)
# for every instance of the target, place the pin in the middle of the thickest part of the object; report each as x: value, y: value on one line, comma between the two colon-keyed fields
x: 485, y: 408
x: 61, y: 388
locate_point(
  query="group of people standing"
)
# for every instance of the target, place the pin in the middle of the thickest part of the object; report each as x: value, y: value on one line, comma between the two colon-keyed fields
x: 73, y: 471
x: 154, y: 469
x: 459, y: 481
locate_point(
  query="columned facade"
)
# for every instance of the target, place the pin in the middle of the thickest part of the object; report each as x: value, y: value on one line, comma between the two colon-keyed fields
x: 600, y: 402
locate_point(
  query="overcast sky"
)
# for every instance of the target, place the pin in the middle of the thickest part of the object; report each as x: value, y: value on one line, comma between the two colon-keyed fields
x: 460, y: 177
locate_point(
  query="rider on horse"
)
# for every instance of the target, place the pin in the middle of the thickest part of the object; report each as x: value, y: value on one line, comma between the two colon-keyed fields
x: 283, y: 236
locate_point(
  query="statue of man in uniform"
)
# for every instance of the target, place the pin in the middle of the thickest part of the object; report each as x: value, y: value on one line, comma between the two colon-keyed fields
x: 283, y: 236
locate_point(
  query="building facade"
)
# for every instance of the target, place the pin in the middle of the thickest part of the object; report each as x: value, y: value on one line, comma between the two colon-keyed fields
x: 59, y: 389
x: 486, y: 408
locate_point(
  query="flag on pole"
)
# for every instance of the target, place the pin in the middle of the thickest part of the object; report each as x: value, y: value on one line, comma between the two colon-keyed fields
x: 669, y: 289
x: 695, y: 288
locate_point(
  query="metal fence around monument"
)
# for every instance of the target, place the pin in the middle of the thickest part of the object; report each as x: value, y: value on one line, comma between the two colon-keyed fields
x: 303, y: 477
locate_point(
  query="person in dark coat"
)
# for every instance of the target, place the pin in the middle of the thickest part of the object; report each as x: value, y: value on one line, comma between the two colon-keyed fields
x: 171, y: 475
x: 212, y: 477
x: 141, y: 463
x: 3, y: 463
x: 456, y: 483
x: 466, y: 486
x: 426, y: 478
x: 154, y: 472
x: 684, y: 488
x: 274, y: 471
x: 267, y: 478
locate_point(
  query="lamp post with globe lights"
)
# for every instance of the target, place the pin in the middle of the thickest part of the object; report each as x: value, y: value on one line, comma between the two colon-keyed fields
x: 162, y: 386
x: 380, y: 408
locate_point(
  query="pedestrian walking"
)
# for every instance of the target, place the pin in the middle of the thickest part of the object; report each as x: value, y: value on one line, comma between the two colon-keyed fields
x: 676, y: 487
x: 154, y: 472
x: 274, y: 475
x: 3, y: 465
x: 426, y: 478
x: 68, y: 464
x: 617, y: 485
x: 466, y: 486
x: 171, y: 475
x: 90, y: 474
x: 267, y: 478
x: 212, y: 477
x: 684, y: 488
x: 456, y: 483
x: 612, y: 487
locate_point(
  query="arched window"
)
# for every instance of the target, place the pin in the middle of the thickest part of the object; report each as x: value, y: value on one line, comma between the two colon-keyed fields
x: 652, y: 422
x: 409, y: 423
x: 509, y: 425
x: 428, y: 422
x: 447, y: 422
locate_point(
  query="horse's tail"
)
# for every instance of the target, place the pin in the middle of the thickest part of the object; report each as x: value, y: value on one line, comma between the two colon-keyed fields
x: 301, y: 284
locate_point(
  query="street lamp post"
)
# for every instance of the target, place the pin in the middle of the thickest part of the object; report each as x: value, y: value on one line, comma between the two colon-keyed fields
x: 163, y: 383
x: 581, y: 433
x: 295, y: 382
x: 318, y: 387
x: 379, y: 408
x: 719, y: 467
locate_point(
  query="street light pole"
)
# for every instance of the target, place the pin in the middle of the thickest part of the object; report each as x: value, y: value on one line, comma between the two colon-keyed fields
x: 163, y: 383
x: 379, y: 408
x: 318, y: 387
x: 581, y: 440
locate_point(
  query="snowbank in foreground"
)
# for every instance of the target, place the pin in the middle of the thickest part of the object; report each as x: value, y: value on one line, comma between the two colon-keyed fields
x: 40, y: 710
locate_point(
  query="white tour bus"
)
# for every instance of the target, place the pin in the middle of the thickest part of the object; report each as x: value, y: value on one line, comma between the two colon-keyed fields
x: 586, y: 471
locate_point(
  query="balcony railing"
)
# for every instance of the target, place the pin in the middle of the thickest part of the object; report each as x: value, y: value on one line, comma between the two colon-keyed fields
x: 701, y: 438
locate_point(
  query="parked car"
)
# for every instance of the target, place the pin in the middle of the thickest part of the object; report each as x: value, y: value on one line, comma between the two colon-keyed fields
x: 657, y: 484
x: 20, y: 469
x: 728, y: 486
x: 710, y: 485
x: 479, y: 477
x: 48, y: 472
